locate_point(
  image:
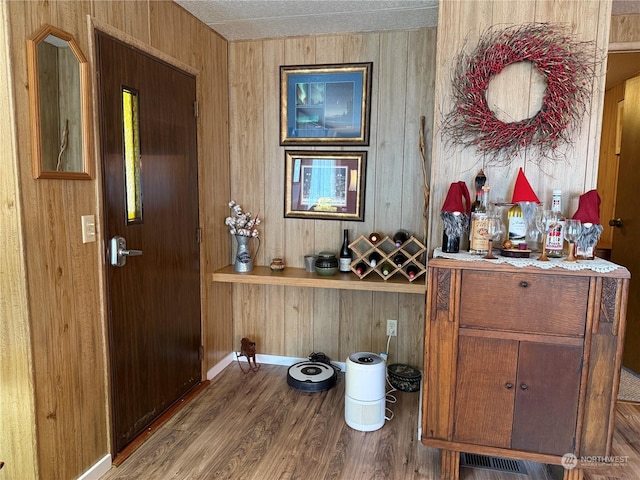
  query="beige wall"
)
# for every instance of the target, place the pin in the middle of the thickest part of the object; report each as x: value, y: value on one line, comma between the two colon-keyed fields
x: 298, y: 321
x: 463, y: 21
x: 53, y: 358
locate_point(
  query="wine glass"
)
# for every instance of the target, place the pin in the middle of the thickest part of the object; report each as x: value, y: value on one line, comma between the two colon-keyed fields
x: 543, y: 221
x: 572, y: 228
x: 493, y: 232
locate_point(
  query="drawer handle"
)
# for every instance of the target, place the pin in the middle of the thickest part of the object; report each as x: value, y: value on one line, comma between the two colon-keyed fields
x: 524, y: 387
x: 524, y: 284
x: 508, y: 386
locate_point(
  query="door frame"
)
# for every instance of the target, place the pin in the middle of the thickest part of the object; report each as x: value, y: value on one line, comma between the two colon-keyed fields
x: 93, y: 25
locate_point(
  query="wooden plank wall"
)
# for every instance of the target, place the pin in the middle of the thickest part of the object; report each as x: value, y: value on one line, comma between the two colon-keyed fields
x: 297, y: 321
x: 54, y: 317
x: 462, y: 22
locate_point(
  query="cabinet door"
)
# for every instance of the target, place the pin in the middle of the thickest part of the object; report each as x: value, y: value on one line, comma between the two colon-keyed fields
x: 546, y: 405
x: 485, y: 388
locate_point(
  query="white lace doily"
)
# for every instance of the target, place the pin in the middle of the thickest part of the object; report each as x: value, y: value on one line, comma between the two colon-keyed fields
x: 597, y: 264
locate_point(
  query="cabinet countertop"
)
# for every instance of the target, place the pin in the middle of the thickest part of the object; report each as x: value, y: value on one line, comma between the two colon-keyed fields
x: 299, y: 277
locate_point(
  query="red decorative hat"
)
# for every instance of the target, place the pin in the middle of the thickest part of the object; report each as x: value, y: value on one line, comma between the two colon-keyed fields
x: 523, y: 192
x: 457, y: 193
x: 588, y: 208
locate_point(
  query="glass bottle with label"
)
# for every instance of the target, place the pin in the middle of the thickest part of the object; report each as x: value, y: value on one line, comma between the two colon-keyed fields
x: 555, y: 238
x: 517, y: 226
x: 345, y: 253
x: 478, y: 240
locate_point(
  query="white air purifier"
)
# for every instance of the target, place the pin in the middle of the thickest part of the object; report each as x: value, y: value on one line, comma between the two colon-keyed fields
x: 364, y: 402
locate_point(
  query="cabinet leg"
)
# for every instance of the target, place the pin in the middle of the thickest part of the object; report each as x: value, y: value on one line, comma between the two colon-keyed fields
x: 450, y: 465
x: 574, y: 474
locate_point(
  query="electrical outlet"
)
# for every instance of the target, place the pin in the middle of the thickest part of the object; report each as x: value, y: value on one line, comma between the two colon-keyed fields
x: 88, y: 228
x: 392, y: 328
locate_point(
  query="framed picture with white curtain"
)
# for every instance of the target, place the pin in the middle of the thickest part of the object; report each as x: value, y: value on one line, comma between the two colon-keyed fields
x: 325, y: 185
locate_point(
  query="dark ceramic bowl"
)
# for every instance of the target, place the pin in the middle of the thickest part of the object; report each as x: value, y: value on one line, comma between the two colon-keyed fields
x: 326, y: 264
x: 404, y: 377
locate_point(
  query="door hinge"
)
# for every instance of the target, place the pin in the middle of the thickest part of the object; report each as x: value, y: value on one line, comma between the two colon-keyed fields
x: 201, y: 352
x: 195, y: 109
x: 199, y: 235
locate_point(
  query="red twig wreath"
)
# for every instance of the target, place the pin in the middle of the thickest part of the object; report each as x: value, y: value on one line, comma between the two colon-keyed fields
x: 568, y: 68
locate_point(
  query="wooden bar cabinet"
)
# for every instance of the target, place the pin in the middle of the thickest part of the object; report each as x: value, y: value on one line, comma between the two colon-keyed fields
x: 521, y: 362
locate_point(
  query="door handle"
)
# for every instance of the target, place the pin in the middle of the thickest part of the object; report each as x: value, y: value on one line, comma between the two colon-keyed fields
x: 118, y: 251
x: 616, y: 222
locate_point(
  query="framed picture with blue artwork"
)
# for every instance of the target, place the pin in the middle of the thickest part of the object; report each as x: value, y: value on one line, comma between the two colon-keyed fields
x: 325, y: 104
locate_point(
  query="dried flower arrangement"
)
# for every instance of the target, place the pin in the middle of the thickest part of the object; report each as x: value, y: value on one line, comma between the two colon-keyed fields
x: 566, y: 64
x: 242, y: 223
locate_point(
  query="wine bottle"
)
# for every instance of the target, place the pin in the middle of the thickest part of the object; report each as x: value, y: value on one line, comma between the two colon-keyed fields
x: 345, y: 253
x: 374, y: 258
x: 516, y: 225
x: 478, y: 242
x: 588, y: 252
x: 400, y: 237
x: 375, y: 237
x: 555, y: 237
x: 399, y: 259
x: 450, y: 244
x: 360, y: 268
x: 411, y: 271
x: 386, y: 268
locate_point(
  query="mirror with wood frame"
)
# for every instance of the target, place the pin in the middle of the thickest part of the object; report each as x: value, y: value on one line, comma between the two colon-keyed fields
x: 59, y: 101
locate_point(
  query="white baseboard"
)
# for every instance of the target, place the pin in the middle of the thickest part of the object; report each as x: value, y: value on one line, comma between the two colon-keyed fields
x: 221, y: 365
x: 261, y: 358
x: 98, y: 469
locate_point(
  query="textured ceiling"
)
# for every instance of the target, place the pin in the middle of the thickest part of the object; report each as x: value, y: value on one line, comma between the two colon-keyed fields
x: 254, y: 19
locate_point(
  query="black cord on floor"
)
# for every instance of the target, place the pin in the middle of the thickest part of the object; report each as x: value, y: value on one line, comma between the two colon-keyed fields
x: 320, y: 357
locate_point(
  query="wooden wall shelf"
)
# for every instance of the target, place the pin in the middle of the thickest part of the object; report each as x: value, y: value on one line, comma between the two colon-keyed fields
x: 299, y: 277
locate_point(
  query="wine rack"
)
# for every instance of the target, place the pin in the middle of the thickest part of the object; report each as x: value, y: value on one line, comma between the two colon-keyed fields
x: 412, y: 249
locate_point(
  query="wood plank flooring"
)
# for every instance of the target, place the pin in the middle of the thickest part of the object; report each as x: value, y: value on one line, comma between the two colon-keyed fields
x: 255, y: 427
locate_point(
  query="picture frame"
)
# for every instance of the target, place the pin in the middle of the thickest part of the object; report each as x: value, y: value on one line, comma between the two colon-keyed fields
x: 325, y: 104
x: 325, y: 185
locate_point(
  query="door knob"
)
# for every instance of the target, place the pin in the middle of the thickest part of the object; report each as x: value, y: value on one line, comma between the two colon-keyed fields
x: 119, y: 252
x: 615, y: 222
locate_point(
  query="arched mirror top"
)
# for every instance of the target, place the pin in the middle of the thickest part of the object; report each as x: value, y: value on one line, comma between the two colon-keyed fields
x: 59, y: 99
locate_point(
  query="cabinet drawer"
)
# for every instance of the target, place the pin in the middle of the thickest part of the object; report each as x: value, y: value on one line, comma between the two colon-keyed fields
x: 530, y: 303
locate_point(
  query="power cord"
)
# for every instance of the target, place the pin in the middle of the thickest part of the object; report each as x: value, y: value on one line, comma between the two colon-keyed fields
x: 389, y: 397
x: 320, y: 357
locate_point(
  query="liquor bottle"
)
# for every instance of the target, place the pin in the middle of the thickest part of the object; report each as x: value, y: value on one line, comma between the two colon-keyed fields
x: 400, y: 237
x: 360, y: 268
x: 411, y: 271
x: 399, y: 259
x: 375, y: 237
x: 479, y: 182
x: 345, y: 253
x: 555, y: 237
x: 517, y: 226
x: 386, y: 268
x: 478, y: 241
x: 374, y: 258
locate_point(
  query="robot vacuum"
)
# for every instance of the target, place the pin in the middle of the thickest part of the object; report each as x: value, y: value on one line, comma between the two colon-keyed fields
x: 311, y: 376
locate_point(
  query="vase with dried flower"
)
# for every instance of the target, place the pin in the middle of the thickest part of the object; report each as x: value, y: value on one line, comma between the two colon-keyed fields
x: 243, y: 226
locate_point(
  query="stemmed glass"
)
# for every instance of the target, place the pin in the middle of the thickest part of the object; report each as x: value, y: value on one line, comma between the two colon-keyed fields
x: 543, y: 220
x: 573, y: 228
x: 494, y: 232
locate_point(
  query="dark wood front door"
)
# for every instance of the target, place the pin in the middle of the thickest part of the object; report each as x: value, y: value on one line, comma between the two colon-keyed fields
x: 148, y: 135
